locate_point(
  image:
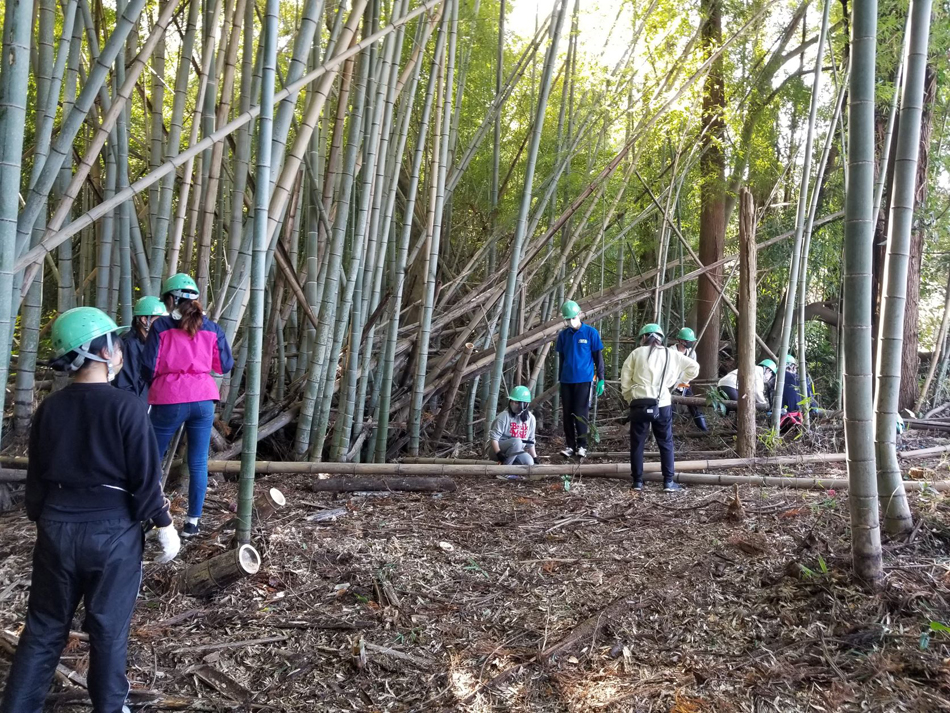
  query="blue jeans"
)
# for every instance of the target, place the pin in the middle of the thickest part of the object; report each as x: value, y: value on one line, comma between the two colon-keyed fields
x: 198, y: 418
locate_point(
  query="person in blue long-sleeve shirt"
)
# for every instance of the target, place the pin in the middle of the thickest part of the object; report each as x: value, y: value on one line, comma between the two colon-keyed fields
x: 582, y: 366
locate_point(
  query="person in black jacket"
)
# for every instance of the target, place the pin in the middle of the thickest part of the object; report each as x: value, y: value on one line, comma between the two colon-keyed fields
x: 94, y: 478
x: 130, y: 378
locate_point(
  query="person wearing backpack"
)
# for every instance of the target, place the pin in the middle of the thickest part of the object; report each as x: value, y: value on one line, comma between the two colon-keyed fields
x: 647, y: 377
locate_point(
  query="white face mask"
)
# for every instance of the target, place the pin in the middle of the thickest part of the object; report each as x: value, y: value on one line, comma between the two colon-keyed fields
x: 575, y: 323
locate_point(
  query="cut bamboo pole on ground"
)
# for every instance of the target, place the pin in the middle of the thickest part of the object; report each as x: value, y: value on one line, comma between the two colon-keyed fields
x: 365, y: 484
x: 555, y: 469
x: 205, y: 578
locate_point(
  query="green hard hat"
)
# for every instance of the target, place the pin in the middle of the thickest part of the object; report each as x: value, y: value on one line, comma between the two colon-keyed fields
x: 570, y: 309
x: 80, y: 326
x: 686, y: 335
x: 769, y: 364
x: 149, y: 307
x: 179, y: 283
x: 651, y: 328
x: 790, y: 360
x: 520, y: 393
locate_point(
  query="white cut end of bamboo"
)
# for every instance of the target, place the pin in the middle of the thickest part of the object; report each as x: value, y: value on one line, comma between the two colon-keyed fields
x: 248, y: 559
x: 277, y: 497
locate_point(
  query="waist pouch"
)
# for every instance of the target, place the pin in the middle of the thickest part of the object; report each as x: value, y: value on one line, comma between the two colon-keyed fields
x: 644, y: 410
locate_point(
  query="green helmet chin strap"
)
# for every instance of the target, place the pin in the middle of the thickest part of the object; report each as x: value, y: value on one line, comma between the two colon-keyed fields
x: 83, y: 353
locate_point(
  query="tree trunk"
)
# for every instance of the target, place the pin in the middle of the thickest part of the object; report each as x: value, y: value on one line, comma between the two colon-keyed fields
x: 745, y: 419
x: 910, y: 361
x: 712, y: 226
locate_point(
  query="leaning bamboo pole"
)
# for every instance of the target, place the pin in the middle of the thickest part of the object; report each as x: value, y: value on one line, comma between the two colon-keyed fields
x: 897, y: 517
x: 53, y: 238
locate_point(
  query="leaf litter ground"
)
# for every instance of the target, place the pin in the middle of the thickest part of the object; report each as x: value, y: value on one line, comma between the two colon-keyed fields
x: 526, y: 597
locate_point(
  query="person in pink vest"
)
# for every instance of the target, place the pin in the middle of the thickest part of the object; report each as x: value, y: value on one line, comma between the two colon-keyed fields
x: 181, y: 352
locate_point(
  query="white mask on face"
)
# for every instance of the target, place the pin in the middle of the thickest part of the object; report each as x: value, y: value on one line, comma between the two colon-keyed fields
x: 575, y: 323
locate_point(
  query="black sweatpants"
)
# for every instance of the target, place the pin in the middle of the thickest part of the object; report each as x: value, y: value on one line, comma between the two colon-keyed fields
x: 99, y: 562
x: 575, y: 402
x: 663, y: 432
x: 731, y: 394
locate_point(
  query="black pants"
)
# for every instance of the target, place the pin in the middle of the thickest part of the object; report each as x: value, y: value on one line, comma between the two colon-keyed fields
x: 663, y: 432
x: 695, y: 412
x: 575, y: 401
x: 731, y: 394
x: 101, y: 563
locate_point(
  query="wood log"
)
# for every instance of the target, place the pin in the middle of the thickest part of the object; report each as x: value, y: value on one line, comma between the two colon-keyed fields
x: 12, y: 476
x: 205, y: 578
x: 414, y: 485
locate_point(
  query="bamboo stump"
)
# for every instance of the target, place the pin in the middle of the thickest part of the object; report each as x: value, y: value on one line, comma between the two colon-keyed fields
x: 415, y: 485
x: 205, y: 578
x: 267, y: 503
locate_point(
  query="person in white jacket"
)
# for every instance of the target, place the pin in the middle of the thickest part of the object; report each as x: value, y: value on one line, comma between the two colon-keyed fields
x: 647, y: 376
x: 764, y: 377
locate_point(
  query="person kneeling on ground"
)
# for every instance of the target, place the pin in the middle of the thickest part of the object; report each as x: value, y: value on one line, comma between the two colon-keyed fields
x: 94, y: 478
x: 792, y: 397
x: 647, y: 376
x: 512, y: 432
x: 764, y: 380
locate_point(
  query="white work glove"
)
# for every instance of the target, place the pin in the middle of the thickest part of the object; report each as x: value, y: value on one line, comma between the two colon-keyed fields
x: 170, y: 542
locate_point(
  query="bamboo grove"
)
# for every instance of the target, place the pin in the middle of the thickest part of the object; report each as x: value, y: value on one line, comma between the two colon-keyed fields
x: 384, y: 202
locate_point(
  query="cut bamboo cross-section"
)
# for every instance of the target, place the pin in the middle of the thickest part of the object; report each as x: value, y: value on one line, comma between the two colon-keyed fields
x: 206, y: 578
x: 267, y: 503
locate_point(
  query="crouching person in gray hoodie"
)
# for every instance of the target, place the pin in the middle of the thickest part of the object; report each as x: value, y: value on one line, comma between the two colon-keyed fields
x: 512, y: 432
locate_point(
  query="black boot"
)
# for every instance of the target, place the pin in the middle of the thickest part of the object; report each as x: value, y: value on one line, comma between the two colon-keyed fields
x: 671, y: 487
x: 700, y: 422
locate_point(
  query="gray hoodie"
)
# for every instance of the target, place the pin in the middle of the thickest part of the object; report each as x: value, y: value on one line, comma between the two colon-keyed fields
x: 506, y: 426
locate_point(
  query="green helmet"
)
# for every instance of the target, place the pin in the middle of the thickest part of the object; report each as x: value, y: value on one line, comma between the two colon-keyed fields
x: 178, y: 284
x: 520, y: 393
x: 75, y: 328
x: 769, y: 364
x: 149, y: 307
x: 651, y: 328
x: 570, y: 309
x: 686, y: 335
x: 790, y: 360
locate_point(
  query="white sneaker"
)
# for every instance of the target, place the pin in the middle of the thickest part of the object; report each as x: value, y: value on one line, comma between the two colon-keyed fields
x: 567, y: 452
x: 581, y: 452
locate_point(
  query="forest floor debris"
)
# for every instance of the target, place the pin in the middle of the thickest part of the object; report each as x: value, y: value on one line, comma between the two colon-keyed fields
x: 589, y: 598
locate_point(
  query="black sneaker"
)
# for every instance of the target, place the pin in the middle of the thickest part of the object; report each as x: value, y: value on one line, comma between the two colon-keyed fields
x: 670, y: 487
x: 189, y: 530
x: 638, y: 485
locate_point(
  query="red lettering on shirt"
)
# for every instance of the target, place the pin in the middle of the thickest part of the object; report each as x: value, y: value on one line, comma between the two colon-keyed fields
x: 519, y: 430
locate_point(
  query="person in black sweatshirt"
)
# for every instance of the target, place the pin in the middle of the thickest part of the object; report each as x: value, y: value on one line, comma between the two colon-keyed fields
x: 94, y: 478
x: 130, y: 377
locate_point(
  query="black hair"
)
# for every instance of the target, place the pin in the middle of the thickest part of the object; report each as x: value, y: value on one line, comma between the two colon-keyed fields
x: 140, y: 327
x: 64, y: 363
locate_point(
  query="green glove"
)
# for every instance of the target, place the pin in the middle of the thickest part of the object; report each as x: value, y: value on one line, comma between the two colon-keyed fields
x: 600, y: 387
